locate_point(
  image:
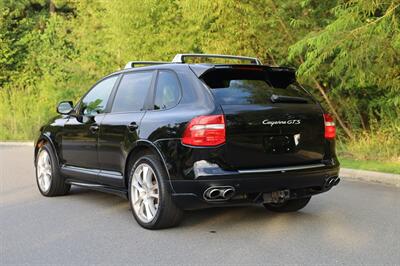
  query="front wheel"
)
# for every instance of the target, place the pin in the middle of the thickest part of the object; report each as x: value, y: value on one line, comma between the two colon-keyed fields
x: 48, y: 177
x: 288, y: 206
x: 150, y: 196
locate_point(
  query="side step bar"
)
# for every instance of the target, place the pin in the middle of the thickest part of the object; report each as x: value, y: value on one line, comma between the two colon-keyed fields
x: 119, y: 192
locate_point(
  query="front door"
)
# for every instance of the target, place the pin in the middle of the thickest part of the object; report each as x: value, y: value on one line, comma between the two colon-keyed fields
x: 81, y: 131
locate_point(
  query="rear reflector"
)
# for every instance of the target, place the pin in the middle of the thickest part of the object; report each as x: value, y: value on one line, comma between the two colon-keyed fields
x: 330, y: 128
x: 205, y: 131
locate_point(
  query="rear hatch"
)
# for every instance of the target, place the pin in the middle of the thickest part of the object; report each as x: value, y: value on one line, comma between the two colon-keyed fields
x: 270, y: 120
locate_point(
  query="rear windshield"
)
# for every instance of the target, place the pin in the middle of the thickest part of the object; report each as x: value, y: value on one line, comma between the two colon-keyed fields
x: 230, y: 86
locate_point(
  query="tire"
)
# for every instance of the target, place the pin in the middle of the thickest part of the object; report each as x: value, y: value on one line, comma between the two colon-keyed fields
x: 48, y: 178
x: 288, y: 206
x: 148, y: 210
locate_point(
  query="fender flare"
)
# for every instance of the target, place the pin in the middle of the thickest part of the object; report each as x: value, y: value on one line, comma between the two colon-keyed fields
x: 149, y: 144
x: 46, y: 136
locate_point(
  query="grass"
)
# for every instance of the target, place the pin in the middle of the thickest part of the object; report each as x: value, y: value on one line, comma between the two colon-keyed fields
x: 377, y: 151
x: 387, y: 167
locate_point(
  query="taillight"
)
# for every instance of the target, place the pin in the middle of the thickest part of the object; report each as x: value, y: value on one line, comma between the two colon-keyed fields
x: 330, y: 128
x: 205, y: 131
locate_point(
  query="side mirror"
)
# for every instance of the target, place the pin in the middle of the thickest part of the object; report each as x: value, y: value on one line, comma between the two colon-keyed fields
x: 65, y: 107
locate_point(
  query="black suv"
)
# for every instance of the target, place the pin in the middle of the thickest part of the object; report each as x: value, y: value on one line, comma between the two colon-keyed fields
x: 177, y: 136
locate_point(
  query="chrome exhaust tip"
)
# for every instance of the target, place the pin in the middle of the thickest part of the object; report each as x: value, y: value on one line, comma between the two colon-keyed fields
x: 213, y: 193
x: 219, y: 193
x: 337, y: 180
x: 330, y: 182
x: 228, y: 193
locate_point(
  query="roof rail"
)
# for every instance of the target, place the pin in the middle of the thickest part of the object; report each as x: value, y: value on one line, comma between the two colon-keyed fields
x: 180, y: 58
x: 132, y: 64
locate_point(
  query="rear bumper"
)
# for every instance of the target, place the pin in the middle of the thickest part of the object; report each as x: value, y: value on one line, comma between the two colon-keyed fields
x: 249, y: 185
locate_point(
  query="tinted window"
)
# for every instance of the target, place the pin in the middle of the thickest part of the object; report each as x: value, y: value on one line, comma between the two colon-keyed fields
x: 167, y: 90
x: 96, y: 100
x: 251, y: 87
x: 132, y: 92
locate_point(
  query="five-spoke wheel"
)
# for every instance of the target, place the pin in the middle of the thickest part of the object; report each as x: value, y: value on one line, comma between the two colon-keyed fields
x: 48, y: 177
x: 145, y: 192
x: 150, y: 193
x: 43, y: 170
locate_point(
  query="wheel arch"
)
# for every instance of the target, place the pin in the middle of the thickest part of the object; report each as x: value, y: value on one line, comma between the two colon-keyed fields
x: 42, y: 140
x: 140, y: 147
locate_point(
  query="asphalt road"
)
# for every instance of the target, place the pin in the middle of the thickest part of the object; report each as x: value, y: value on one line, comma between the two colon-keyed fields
x: 355, y: 223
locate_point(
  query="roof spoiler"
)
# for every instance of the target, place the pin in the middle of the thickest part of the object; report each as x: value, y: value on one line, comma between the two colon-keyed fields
x: 200, y: 70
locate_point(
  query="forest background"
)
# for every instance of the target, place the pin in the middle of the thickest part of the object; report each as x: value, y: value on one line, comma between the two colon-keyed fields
x: 346, y: 52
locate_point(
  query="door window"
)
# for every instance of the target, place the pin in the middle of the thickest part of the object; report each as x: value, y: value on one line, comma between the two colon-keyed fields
x: 96, y: 99
x: 168, y: 91
x: 132, y: 92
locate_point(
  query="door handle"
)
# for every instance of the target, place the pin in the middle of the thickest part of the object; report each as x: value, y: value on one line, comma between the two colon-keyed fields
x: 132, y: 126
x: 94, y: 128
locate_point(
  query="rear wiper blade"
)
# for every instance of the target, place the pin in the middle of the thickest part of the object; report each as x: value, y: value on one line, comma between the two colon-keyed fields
x: 287, y: 99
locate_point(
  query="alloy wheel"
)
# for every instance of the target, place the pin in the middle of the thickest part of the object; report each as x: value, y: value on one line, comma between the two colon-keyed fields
x: 43, y: 171
x: 145, y: 193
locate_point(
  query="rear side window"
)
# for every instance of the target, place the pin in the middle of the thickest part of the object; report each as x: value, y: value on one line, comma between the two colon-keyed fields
x: 168, y: 91
x: 230, y: 86
x: 132, y: 92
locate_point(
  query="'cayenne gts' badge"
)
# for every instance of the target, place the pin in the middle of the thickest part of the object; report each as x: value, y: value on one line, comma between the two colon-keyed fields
x: 281, y: 122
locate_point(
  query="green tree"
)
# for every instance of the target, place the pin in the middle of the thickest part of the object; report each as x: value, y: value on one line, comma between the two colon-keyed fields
x: 346, y: 52
x: 356, y: 58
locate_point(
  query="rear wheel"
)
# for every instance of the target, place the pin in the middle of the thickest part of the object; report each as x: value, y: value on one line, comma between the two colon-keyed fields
x: 150, y: 195
x: 48, y: 177
x: 288, y: 206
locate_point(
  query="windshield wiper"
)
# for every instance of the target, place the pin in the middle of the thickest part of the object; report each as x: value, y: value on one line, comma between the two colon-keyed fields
x: 287, y: 99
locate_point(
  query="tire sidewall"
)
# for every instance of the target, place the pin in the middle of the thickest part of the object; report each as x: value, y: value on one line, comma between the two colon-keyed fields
x: 162, y: 189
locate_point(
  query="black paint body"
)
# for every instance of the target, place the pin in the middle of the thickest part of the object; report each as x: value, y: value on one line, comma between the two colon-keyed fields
x: 101, y: 156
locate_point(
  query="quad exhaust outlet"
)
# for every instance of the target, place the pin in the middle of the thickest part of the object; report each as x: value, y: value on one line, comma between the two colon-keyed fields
x: 331, y: 181
x: 219, y: 193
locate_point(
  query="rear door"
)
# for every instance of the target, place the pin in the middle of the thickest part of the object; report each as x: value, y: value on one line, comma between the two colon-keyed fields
x: 270, y: 120
x: 120, y: 128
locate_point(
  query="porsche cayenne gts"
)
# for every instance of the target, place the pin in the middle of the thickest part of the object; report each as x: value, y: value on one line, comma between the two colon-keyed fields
x: 173, y: 136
